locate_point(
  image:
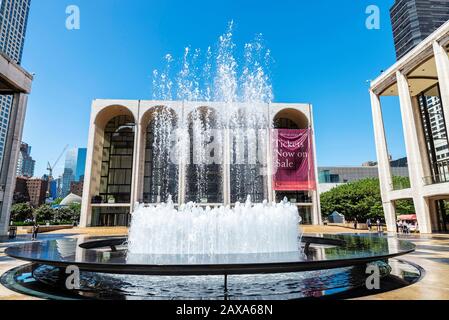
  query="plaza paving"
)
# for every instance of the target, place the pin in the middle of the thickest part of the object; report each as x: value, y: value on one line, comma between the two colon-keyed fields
x: 432, y: 254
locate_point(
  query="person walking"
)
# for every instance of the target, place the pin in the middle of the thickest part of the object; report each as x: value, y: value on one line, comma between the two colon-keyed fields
x: 379, y: 226
x: 35, y: 231
x: 355, y: 223
x: 368, y: 224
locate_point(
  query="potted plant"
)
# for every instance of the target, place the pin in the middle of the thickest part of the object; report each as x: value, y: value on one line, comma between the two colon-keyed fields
x: 111, y: 199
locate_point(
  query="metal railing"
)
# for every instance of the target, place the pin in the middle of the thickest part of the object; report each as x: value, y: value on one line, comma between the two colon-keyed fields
x: 442, y: 175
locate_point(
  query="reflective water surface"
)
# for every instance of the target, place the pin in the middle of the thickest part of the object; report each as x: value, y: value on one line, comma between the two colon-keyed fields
x: 355, y: 247
x: 338, y: 283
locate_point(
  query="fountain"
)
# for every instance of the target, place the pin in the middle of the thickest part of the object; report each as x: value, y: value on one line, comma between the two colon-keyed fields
x: 192, y: 230
x: 185, y: 247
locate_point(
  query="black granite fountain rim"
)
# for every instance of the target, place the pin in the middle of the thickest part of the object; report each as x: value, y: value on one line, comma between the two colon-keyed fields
x: 116, y: 261
x: 113, y: 243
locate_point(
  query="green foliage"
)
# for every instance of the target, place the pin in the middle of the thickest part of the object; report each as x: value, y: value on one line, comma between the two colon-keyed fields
x: 361, y: 199
x: 57, y: 201
x: 21, y: 212
x: 44, y: 213
x: 76, y: 212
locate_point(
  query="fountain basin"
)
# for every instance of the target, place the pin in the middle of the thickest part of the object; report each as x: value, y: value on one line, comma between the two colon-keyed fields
x: 110, y: 256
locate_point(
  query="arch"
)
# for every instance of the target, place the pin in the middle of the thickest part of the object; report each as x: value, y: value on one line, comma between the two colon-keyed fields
x: 291, y: 119
x: 151, y: 113
x: 117, y: 160
x: 103, y: 117
x: 160, y: 174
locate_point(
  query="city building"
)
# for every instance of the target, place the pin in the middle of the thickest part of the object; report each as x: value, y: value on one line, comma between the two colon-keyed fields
x: 80, y: 164
x: 67, y: 178
x: 68, y: 175
x: 37, y: 191
x: 331, y: 177
x: 121, y: 169
x: 21, y: 190
x: 75, y: 165
x: 13, y: 25
x: 76, y: 187
x: 415, y: 20
x: 32, y: 190
x: 25, y: 163
x: 421, y: 81
x: 53, y: 189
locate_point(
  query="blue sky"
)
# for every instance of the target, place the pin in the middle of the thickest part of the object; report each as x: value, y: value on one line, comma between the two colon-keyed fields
x: 322, y: 50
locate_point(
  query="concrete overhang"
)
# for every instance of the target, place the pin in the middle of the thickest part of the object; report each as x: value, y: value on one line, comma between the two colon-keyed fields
x: 418, y: 65
x: 13, y: 78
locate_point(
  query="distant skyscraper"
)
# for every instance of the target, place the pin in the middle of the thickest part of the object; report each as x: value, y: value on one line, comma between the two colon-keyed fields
x: 25, y: 163
x: 53, y: 189
x: 69, y: 170
x: 13, y: 25
x: 80, y: 164
x: 415, y: 20
x: 70, y: 159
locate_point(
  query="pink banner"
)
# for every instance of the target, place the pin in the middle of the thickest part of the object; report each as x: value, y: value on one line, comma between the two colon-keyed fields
x: 294, y: 168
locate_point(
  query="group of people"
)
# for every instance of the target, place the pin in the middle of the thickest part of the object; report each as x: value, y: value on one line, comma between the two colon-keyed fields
x: 403, y: 227
x: 379, y: 226
x: 369, y: 224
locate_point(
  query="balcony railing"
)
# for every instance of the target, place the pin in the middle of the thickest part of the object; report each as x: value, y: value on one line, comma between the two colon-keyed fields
x: 441, y: 177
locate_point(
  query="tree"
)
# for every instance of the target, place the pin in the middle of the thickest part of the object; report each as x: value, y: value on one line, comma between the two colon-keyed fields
x: 362, y: 199
x: 45, y: 213
x: 68, y: 214
x: 76, y: 211
x: 21, y: 212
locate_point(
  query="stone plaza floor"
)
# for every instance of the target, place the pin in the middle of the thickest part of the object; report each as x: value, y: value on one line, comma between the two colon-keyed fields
x: 432, y: 254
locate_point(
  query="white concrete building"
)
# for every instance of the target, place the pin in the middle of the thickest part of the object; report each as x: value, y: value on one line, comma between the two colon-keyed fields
x: 15, y: 82
x: 120, y: 161
x: 421, y: 81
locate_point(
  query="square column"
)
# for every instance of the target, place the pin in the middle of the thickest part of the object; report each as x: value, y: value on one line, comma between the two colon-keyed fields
x: 383, y: 162
x: 414, y: 154
x: 317, y: 218
x: 442, y: 64
x: 135, y: 171
x: 86, y: 204
x: 9, y: 165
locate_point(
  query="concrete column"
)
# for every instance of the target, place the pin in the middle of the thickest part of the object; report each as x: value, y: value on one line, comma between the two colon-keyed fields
x: 442, y: 64
x: 414, y: 155
x: 422, y: 208
x: 227, y: 166
x: 390, y: 215
x: 86, y: 206
x: 140, y: 162
x: 138, y: 159
x: 434, y: 216
x: 183, y: 145
x: 383, y: 160
x: 316, y: 209
x: 10, y: 156
x: 269, y: 171
x: 135, y: 170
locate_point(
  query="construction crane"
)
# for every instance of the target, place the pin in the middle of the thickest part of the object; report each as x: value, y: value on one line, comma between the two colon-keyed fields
x: 51, y: 167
